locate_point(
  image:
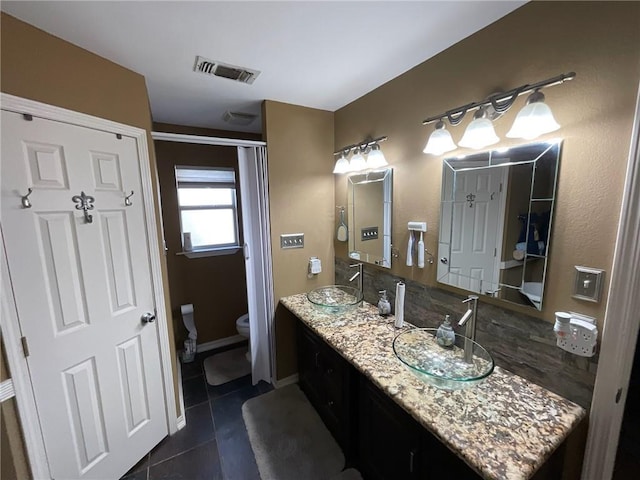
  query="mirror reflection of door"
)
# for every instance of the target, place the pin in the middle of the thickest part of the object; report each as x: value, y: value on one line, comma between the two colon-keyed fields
x: 495, y: 221
x: 478, y: 208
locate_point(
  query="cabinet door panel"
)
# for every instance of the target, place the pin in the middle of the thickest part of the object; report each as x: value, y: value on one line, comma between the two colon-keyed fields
x: 388, y: 440
x: 308, y: 372
x: 326, y: 378
x: 440, y: 462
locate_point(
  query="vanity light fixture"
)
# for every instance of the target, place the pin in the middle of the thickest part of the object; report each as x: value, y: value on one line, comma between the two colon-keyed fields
x: 369, y: 147
x: 342, y: 164
x: 533, y: 120
x: 480, y: 132
x: 358, y: 161
x: 375, y: 158
x: 440, y: 140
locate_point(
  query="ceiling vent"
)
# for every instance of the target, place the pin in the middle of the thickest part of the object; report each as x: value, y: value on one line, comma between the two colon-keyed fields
x: 225, y: 70
x: 238, y: 118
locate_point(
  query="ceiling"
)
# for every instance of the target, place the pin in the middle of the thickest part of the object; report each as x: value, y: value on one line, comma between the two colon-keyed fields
x: 319, y: 54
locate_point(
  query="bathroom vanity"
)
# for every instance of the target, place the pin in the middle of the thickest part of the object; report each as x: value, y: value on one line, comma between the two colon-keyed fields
x: 392, y: 425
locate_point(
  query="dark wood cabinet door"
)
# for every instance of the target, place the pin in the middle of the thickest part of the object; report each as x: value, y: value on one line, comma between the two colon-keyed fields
x: 326, y: 379
x: 308, y: 366
x: 438, y: 462
x: 388, y: 439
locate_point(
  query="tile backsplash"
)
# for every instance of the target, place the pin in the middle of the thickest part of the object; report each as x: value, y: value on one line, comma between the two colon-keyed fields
x: 519, y: 343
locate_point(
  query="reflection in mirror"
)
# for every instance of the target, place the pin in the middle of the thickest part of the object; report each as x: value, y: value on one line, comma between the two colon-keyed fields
x: 370, y: 217
x: 495, y: 221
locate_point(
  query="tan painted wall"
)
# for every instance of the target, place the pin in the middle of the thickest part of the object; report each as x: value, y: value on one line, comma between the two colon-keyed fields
x: 67, y: 76
x: 300, y: 157
x: 600, y: 41
x: 216, y: 286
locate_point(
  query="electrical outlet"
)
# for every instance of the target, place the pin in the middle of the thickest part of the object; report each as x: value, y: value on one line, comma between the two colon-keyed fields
x: 580, y: 340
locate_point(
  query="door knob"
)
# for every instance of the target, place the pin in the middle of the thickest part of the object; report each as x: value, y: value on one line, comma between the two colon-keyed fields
x: 148, y: 317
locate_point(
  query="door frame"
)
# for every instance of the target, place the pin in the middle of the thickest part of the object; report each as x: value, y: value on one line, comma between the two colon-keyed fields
x: 621, y: 326
x: 264, y: 245
x: 9, y: 323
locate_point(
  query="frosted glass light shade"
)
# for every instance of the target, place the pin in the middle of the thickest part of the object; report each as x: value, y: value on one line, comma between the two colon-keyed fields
x: 533, y: 120
x: 479, y: 133
x: 342, y: 165
x: 357, y: 162
x: 376, y: 159
x: 440, y: 141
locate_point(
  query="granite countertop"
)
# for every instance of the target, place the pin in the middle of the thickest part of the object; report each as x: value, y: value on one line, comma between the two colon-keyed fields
x: 504, y: 428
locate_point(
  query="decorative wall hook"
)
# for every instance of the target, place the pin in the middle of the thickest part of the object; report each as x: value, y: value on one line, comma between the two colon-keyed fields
x: 26, y: 203
x: 471, y: 198
x: 127, y: 201
x: 430, y: 260
x: 85, y: 203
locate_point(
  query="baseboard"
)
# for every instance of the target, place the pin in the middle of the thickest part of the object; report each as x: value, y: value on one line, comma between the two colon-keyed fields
x: 285, y: 381
x: 181, y: 421
x: 221, y: 342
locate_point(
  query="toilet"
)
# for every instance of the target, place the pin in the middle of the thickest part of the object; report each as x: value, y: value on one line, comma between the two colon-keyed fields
x: 242, y: 325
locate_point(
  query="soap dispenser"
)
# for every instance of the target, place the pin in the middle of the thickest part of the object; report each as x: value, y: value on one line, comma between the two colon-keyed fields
x: 445, y: 336
x: 384, y: 307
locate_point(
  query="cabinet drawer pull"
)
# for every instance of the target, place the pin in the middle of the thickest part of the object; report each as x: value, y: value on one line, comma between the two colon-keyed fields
x: 412, y: 455
x: 317, y: 362
x: 329, y: 371
x: 331, y: 403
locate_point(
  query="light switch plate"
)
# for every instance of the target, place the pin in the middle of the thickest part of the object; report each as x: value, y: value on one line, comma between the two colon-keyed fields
x: 292, y: 240
x: 588, y: 284
x: 369, y: 233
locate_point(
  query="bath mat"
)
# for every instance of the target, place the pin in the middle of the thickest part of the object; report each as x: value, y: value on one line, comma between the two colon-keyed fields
x: 288, y: 438
x: 226, y: 366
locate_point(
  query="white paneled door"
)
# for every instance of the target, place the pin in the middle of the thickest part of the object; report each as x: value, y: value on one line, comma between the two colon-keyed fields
x: 82, y: 286
x: 477, y: 223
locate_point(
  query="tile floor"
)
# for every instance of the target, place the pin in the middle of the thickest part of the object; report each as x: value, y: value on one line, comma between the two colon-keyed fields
x: 214, y: 444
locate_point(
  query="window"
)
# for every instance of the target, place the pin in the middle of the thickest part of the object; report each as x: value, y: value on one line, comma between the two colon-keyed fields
x: 208, y: 209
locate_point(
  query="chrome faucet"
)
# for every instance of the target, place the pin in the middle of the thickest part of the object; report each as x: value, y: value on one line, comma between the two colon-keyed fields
x: 469, y: 320
x: 358, y: 274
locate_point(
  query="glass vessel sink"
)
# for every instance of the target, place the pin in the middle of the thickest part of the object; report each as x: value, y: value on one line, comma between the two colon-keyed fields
x: 442, y: 367
x: 335, y: 298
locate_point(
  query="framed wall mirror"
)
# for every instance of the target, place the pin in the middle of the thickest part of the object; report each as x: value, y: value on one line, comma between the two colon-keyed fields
x: 495, y: 221
x: 369, y: 212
